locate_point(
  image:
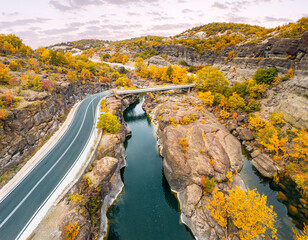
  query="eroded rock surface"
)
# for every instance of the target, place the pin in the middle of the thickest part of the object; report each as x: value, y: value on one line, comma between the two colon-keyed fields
x: 211, y: 151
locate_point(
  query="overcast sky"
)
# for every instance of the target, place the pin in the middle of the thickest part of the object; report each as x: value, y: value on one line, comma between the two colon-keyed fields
x: 46, y: 22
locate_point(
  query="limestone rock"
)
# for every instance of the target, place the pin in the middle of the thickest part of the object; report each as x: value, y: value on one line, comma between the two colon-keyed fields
x: 265, y: 165
x: 191, y: 196
x: 231, y: 125
x: 103, y: 170
x: 158, y: 61
x: 245, y: 134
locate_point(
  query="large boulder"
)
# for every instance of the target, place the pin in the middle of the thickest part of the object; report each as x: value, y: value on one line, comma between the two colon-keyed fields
x: 265, y: 165
x: 103, y: 170
x: 245, y: 134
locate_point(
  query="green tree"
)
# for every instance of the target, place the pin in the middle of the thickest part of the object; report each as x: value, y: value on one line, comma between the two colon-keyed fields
x: 211, y: 79
x: 265, y: 75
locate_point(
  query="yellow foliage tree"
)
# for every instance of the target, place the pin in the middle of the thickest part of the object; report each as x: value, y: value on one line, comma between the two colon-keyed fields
x: 141, y: 68
x: 303, y: 235
x: 206, y: 97
x: 256, y: 123
x: 211, y: 79
x: 4, y: 76
x: 269, y: 138
x: 300, y: 145
x: 46, y: 57
x: 248, y: 212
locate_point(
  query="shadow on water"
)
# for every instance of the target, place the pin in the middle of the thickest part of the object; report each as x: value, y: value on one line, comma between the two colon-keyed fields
x: 287, y: 193
x: 146, y: 208
x: 170, y: 198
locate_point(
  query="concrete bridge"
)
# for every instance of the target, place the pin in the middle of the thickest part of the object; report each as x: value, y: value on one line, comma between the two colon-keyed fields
x: 154, y: 89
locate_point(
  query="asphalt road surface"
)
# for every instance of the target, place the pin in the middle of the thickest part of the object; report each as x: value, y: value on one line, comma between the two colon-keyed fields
x: 21, y: 205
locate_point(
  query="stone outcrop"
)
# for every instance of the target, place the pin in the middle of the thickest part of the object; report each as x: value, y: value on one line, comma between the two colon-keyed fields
x: 35, y: 120
x: 265, y: 165
x: 281, y: 53
x: 211, y: 151
x: 158, y: 61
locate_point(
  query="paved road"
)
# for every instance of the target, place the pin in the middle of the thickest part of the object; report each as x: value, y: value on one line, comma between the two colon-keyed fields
x: 22, y: 204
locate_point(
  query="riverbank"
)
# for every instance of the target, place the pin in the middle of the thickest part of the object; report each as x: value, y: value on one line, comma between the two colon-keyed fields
x: 86, y: 202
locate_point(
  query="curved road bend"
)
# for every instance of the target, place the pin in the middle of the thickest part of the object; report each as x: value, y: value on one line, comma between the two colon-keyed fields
x: 19, y: 207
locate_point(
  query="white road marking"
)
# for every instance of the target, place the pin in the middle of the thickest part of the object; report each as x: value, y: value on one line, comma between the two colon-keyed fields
x: 25, y: 198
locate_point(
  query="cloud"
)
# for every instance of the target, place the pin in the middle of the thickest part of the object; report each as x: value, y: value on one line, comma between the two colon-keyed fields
x: 57, y: 31
x: 167, y: 26
x: 162, y: 18
x: 22, y: 22
x: 93, y: 22
x: 186, y: 10
x: 239, y: 19
x: 121, y: 26
x: 273, y: 19
x: 68, y: 5
x: 219, y: 5
x: 10, y: 14
x: 59, y: 6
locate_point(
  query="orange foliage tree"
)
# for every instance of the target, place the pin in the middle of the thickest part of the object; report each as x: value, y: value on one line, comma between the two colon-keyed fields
x: 71, y: 231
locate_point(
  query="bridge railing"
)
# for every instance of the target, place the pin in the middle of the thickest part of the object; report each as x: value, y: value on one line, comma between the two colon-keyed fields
x: 154, y: 89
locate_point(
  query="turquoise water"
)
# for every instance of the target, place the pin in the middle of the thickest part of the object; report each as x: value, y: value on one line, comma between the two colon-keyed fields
x: 146, y: 209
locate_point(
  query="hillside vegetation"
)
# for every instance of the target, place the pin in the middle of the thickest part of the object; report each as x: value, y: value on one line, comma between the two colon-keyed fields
x: 212, y: 36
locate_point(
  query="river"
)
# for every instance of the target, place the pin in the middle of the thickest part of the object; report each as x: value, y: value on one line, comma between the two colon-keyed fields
x: 146, y: 209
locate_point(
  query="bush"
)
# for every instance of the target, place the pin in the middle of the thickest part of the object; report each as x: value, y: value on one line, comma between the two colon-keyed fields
x: 36, y: 83
x: 253, y: 106
x: 277, y: 119
x: 207, y: 184
x: 265, y: 75
x: 109, y: 123
x: 211, y: 79
x: 236, y: 102
x: 240, y: 88
x: 183, y: 63
x: 187, y: 119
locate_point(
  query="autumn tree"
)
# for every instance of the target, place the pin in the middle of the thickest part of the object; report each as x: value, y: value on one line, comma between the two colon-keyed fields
x: 206, y: 97
x: 302, y: 235
x: 109, y: 123
x: 211, y: 79
x: 247, y: 211
x: 70, y: 232
x: 71, y: 76
x: 236, y: 102
x: 4, y: 76
x: 141, y: 68
x: 300, y: 145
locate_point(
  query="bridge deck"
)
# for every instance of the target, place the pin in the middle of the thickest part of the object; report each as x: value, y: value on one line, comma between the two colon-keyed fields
x: 156, y: 89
